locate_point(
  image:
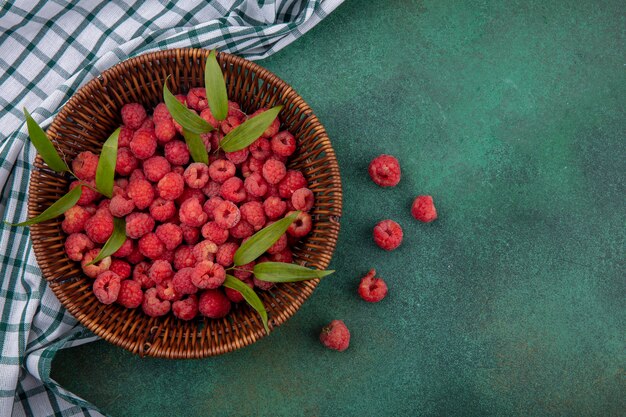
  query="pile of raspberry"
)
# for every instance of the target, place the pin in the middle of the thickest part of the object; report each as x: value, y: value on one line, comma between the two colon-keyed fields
x: 184, y: 219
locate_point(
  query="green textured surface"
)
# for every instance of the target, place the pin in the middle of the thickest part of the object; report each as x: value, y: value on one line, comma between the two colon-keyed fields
x: 511, y: 114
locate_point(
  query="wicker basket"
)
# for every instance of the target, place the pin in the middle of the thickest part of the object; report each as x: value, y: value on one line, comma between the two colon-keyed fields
x: 86, y: 121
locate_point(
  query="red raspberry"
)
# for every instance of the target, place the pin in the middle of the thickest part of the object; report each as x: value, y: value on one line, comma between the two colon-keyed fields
x: 147, y: 124
x: 241, y: 230
x: 302, y: 199
x: 204, y: 251
x: 177, y: 152
x: 141, y: 275
x: 272, y: 191
x: 335, y: 336
x: 196, y: 175
x: 211, y: 189
x: 144, y: 144
x: 75, y: 219
x: 388, y: 234
x: 191, y: 235
x: 253, y: 213
x: 165, y: 131
x: 124, y: 250
x: 216, y: 234
x: 88, y: 195
x: 99, y: 227
x: 121, y: 183
x: 103, y: 207
x: 155, y: 168
x: 196, y: 99
x: 178, y: 170
x: 210, y: 206
x: 161, y: 114
x: 133, y: 115
x: 237, y: 157
x: 230, y: 123
x: 170, y: 234
x: 260, y: 149
x: 208, y: 275
x: 93, y: 270
x: 183, y: 257
x: 279, y: 245
x: 160, y: 271
x: 274, y: 207
x: 186, y: 309
x: 385, y: 171
x: 166, y: 291
x: 221, y: 170
x: 126, y: 162
x: 301, y: 226
x: 244, y: 272
x: 226, y: 253
x: 423, y: 209
x: 210, y: 119
x: 124, y: 138
x: 254, y: 185
x: 141, y: 192
x: 121, y: 206
x: 171, y: 186
x: 213, y: 304
x: 234, y: 109
x: 162, y: 209
x: 274, y: 171
x: 234, y: 295
x: 272, y: 129
x: 226, y: 214
x: 85, y: 165
x: 154, y: 307
x: 191, y: 213
x: 372, y: 289
x: 151, y: 246
x: 136, y: 175
x: 191, y: 193
x: 130, y: 295
x: 283, y: 256
x: 135, y: 256
x: 183, y: 283
x: 121, y: 268
x: 293, y: 181
x: 138, y: 224
x: 233, y: 190
x: 76, y: 245
x: 106, y: 287
x: 283, y: 144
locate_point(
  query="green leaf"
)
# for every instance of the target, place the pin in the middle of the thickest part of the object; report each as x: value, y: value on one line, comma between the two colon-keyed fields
x: 249, y: 131
x: 185, y: 117
x: 196, y: 147
x: 43, y: 145
x: 250, y: 296
x: 263, y: 240
x: 283, y: 272
x: 117, y: 239
x: 59, y: 207
x: 215, y: 87
x: 105, y: 173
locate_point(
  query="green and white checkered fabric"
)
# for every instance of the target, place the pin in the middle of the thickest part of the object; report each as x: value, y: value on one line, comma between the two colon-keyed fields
x: 48, y: 50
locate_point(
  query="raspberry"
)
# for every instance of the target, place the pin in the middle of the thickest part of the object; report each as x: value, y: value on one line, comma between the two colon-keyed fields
x: 165, y: 131
x: 75, y: 219
x: 234, y: 295
x: 162, y: 209
x: 76, y: 245
x: 191, y: 235
x: 233, y: 190
x: 221, y: 170
x: 182, y: 282
x: 141, y: 192
x: 124, y: 250
x: 88, y: 195
x: 183, y: 257
x: 254, y: 185
x: 160, y: 271
x: 178, y: 170
x: 151, y: 246
x: 213, y: 232
x: 130, y: 295
x: 121, y: 183
x: 133, y: 115
x: 283, y: 144
x: 234, y: 109
x: 170, y: 234
x: 211, y: 189
x: 213, y: 304
x: 208, y: 275
x: 155, y: 168
x: 171, y: 186
x: 274, y: 171
x: 238, y: 157
x: 284, y: 255
x: 423, y: 209
x: 121, y: 206
x: 262, y: 285
x: 301, y: 226
x: 135, y: 256
x: 121, y: 268
x: 385, y: 171
x: 176, y: 152
x: 274, y: 207
x: 253, y: 213
x: 99, y: 227
x: 138, y: 224
x: 226, y: 214
x: 196, y: 99
x: 126, y: 162
x: 161, y: 114
x: 147, y: 124
x: 230, y: 123
x: 191, y: 213
x: 136, y: 175
x: 141, y: 275
x: 196, y: 175
x: 93, y: 270
x: 279, y: 245
x: 242, y: 230
x: 125, y: 136
x: 210, y: 206
x: 152, y: 306
x: 166, y: 291
x: 144, y: 144
x: 168, y: 255
x: 106, y: 287
x: 293, y: 180
x: 85, y: 165
x: 244, y: 272
x: 204, y: 251
x: 186, y: 309
x: 191, y: 193
x: 272, y: 191
x: 335, y: 336
x: 210, y: 119
x: 260, y: 149
x: 372, y: 289
x: 388, y: 234
x: 225, y: 253
x: 272, y: 129
x: 302, y: 199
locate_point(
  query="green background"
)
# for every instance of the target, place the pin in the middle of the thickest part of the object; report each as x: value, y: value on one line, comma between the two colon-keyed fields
x: 511, y: 114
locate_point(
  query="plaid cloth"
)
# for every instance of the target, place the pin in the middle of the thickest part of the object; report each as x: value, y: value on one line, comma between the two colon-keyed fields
x: 49, y: 49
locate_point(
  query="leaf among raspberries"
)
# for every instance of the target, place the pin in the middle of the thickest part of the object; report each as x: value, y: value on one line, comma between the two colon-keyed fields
x: 197, y: 150
x: 59, y: 207
x: 249, y: 131
x: 105, y: 173
x: 216, y: 94
x: 250, y: 296
x: 284, y: 272
x: 43, y: 145
x: 187, y: 118
x: 115, y: 241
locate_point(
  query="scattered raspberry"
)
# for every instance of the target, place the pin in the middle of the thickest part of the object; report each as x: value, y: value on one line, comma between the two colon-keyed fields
x: 171, y: 186
x: 272, y: 129
x: 388, y: 234
x: 153, y: 306
x: 183, y: 283
x: 191, y: 193
x: 121, y: 268
x: 135, y: 256
x: 138, y: 224
x: 241, y: 230
x: 283, y: 144
x: 238, y: 157
x: 208, y: 275
x: 170, y: 234
x: 234, y: 295
x: 221, y: 170
x: 141, y: 275
x: 210, y: 119
x: 88, y: 195
x: 301, y: 226
x: 274, y: 171
x: 106, y: 287
x: 191, y: 213
x: 191, y: 235
x: 244, y: 272
x: 211, y: 189
x: 99, y: 227
x: 126, y: 162
x: 93, y: 270
x: 144, y: 144
x: 226, y: 253
x: 204, y: 251
x: 75, y: 219
x: 176, y: 152
x: 262, y: 285
x: 279, y: 245
x: 155, y: 168
x: 226, y: 214
x: 121, y: 206
x: 230, y: 123
x: 168, y: 255
x: 124, y: 250
x: 423, y: 209
x: 183, y: 257
x: 233, y: 190
x: 162, y: 209
x: 293, y: 181
x: 210, y: 205
x: 253, y: 213
x: 165, y: 131
x: 160, y: 271
x: 302, y: 199
x: 274, y: 207
x: 254, y: 185
x: 196, y: 175
x: 76, y: 245
x: 260, y: 149
x: 130, y: 294
x: 335, y: 336
x: 166, y: 291
x: 85, y: 165
x: 147, y: 124
x: 213, y: 304
x: 151, y: 246
x: 136, y: 175
x: 372, y: 289
x: 196, y: 99
x: 141, y: 192
x: 285, y: 256
x: 161, y: 114
x: 133, y: 115
x: 213, y: 232
x: 186, y: 309
x: 125, y: 136
x: 385, y: 171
